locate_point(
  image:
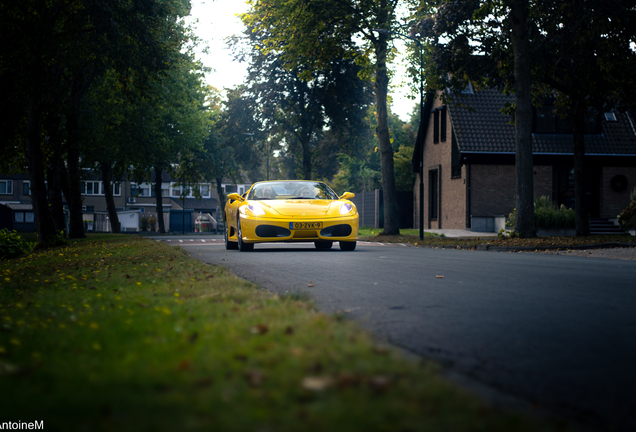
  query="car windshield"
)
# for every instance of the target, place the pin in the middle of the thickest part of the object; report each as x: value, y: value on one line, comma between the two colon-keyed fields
x: 285, y: 190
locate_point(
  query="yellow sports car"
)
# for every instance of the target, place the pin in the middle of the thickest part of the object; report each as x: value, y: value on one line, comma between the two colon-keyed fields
x: 290, y: 211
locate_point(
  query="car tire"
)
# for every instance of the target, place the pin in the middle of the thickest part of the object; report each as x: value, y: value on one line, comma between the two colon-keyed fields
x: 323, y: 245
x: 347, y: 246
x: 242, y: 246
x: 229, y: 245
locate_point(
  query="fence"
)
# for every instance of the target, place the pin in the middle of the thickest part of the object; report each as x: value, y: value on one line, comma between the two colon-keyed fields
x: 371, y: 208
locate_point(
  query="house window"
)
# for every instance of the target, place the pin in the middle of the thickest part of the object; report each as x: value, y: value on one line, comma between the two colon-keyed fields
x: 140, y: 190
x: 229, y: 189
x: 93, y: 188
x: 456, y: 167
x: 442, y: 124
x: 165, y: 189
x: 175, y: 190
x: 205, y: 191
x: 241, y: 190
x: 26, y: 188
x: 436, y: 127
x: 432, y: 194
x: 29, y: 217
x: 18, y: 217
x: 6, y: 187
x: 116, y: 189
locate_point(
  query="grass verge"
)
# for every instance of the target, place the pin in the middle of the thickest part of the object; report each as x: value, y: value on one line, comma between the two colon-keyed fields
x: 471, y: 242
x: 121, y: 333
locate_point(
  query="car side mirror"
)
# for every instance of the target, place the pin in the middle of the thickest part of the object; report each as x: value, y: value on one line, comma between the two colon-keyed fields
x: 234, y: 197
x: 347, y: 195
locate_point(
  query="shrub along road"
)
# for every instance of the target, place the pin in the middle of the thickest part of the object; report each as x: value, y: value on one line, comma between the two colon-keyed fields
x: 555, y: 331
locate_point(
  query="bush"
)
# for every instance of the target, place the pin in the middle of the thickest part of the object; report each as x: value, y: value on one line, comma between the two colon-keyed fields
x: 548, y: 216
x: 627, y: 219
x: 12, y: 245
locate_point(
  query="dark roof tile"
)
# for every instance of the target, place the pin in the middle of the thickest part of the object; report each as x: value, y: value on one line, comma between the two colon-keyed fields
x: 480, y: 126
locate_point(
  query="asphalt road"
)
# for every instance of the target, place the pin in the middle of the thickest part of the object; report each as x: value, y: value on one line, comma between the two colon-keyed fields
x: 557, y: 332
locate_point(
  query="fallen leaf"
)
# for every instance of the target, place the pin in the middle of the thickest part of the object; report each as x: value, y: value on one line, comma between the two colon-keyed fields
x: 317, y: 383
x: 255, y: 378
x: 380, y: 350
x: 203, y: 383
x: 240, y: 357
x: 379, y: 383
x: 310, y: 284
x: 439, y: 276
x: 183, y: 365
x: 193, y: 337
x: 259, y: 329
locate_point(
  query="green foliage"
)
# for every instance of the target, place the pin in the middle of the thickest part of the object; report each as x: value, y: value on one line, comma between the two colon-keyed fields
x: 12, y: 245
x: 627, y: 218
x: 547, y: 215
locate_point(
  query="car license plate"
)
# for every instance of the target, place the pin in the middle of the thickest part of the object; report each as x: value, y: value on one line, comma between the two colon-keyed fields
x: 305, y: 225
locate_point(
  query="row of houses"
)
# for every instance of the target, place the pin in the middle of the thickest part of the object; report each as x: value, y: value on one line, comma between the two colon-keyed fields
x: 136, y: 199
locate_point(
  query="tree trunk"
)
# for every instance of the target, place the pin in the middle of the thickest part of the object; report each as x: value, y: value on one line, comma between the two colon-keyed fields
x: 524, y: 225
x: 54, y: 173
x: 391, y: 210
x: 35, y: 160
x: 74, y: 198
x: 306, y: 157
x: 221, y: 194
x: 115, y: 225
x: 580, y: 205
x: 53, y: 176
x: 159, y: 199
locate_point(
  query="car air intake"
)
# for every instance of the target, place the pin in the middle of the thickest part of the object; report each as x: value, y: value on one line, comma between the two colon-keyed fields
x: 272, y: 231
x: 336, y: 231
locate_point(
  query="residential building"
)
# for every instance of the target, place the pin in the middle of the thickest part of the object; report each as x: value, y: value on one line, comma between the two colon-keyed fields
x: 469, y: 161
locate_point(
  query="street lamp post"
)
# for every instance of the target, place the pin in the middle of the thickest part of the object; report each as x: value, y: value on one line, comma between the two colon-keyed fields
x: 419, y: 44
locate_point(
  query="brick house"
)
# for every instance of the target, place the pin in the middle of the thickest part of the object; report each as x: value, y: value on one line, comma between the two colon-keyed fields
x: 469, y: 157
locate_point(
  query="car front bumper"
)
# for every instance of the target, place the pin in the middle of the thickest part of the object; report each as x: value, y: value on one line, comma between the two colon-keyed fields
x: 262, y: 229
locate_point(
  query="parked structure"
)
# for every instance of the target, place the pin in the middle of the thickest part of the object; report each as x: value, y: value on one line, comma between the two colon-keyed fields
x: 469, y: 162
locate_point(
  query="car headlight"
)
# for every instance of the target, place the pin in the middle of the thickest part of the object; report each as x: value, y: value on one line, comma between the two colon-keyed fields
x: 346, y: 208
x: 256, y: 209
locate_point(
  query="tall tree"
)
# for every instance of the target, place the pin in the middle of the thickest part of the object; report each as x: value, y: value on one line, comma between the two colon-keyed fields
x: 310, y: 34
x: 53, y: 48
x: 579, y: 51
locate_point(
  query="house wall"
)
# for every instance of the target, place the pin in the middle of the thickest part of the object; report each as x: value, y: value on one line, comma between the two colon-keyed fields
x: 493, y: 188
x: 438, y: 156
x: 612, y: 202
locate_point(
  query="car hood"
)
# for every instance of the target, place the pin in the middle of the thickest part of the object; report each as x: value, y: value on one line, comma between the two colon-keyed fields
x: 299, y: 208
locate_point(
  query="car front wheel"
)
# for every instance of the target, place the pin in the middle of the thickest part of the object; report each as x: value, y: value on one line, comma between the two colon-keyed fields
x: 242, y: 246
x: 347, y: 246
x: 229, y: 245
x: 323, y: 245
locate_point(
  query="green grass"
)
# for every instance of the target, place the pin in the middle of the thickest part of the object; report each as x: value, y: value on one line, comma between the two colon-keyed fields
x: 119, y: 333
